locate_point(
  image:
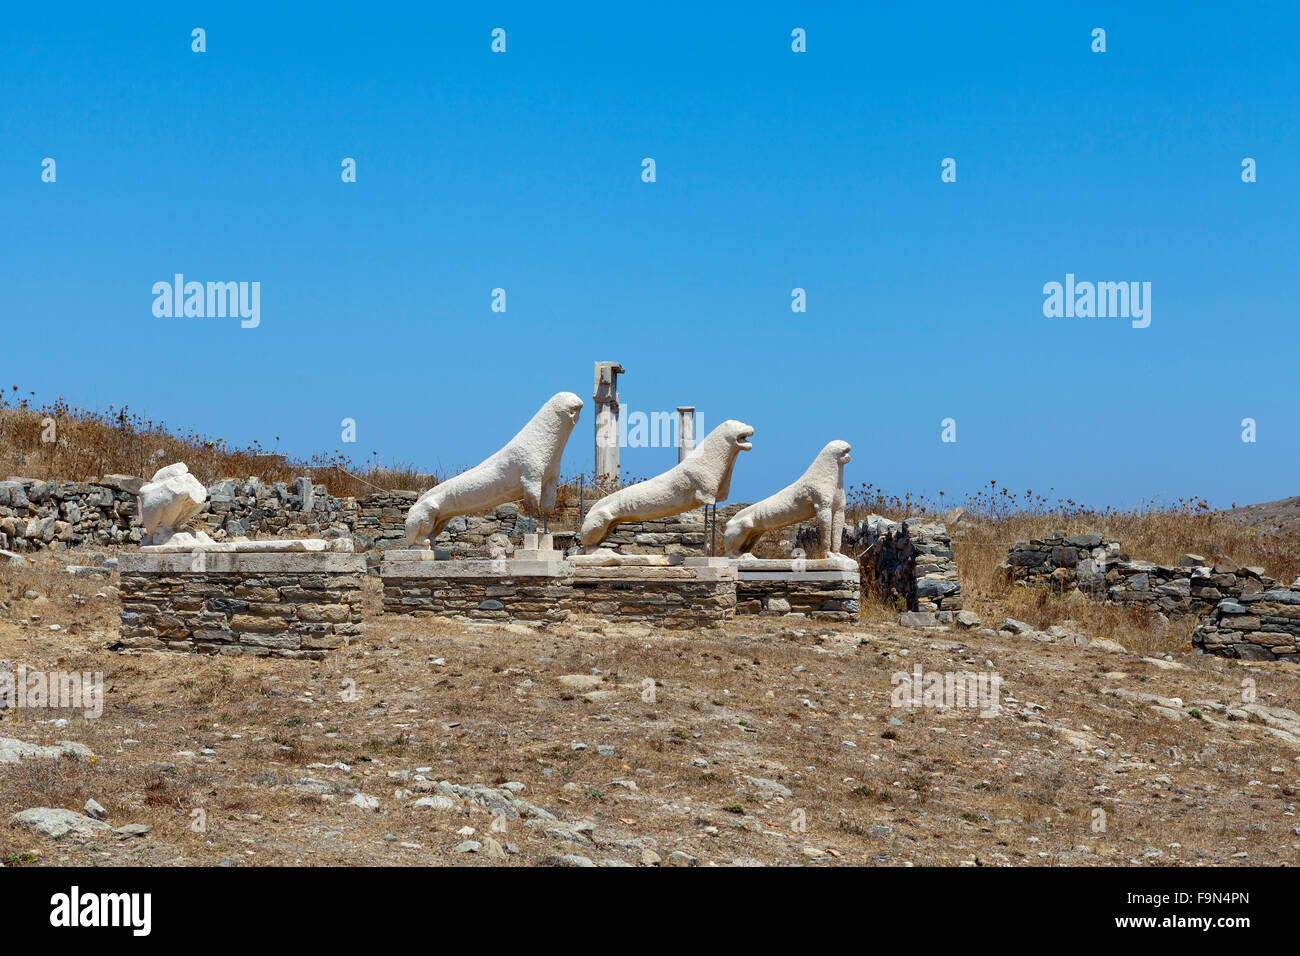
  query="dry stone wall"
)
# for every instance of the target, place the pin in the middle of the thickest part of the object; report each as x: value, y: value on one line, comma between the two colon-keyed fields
x: 1064, y: 563
x: 254, y: 508
x: 1260, y: 625
x: 681, y: 534
x: 910, y: 563
x: 381, y: 526
x: 536, y: 591
x: 668, y: 597
x: 1097, y: 566
x: 833, y: 599
x: 48, y: 514
x: 66, y: 514
x: 1243, y: 612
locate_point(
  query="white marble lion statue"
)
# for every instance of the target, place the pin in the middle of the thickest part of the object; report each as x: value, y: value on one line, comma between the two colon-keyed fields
x: 817, y: 494
x: 703, y: 478
x: 528, y: 467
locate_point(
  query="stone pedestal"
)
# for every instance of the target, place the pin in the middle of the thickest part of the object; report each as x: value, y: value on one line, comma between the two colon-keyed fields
x: 536, y: 585
x: 538, y: 547
x: 239, y: 602
x: 820, y: 589
x: 656, y: 589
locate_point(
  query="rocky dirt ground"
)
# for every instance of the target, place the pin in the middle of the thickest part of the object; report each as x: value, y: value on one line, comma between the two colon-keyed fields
x: 767, y: 742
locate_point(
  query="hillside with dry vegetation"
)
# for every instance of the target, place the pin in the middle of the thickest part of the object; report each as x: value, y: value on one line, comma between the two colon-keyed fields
x: 83, y: 444
x: 57, y: 440
x: 767, y: 741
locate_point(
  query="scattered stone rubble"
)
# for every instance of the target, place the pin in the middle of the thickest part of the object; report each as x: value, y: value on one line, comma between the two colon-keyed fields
x: 1063, y: 633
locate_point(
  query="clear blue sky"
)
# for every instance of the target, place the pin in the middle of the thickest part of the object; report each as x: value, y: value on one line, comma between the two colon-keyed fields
x: 775, y: 170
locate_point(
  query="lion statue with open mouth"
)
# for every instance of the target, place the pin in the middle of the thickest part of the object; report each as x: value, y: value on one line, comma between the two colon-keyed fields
x: 703, y: 478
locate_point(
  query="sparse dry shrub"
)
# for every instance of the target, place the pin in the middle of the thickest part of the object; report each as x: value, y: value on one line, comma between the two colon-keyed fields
x: 159, y: 793
x: 41, y: 782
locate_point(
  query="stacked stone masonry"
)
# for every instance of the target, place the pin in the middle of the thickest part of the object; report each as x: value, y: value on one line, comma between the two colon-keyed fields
x: 910, y: 564
x: 64, y: 514
x: 254, y: 508
x: 241, y: 604
x: 1097, y: 566
x: 481, y: 590
x: 668, y: 597
x: 826, y: 600
x: 381, y: 527
x: 682, y: 535
x: 1064, y: 563
x: 1260, y: 625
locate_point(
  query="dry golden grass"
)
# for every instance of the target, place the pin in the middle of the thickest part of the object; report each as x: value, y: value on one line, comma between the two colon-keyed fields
x: 59, y: 441
x: 1159, y: 536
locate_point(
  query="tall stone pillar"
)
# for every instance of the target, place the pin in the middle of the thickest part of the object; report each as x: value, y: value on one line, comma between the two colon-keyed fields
x: 606, y: 398
x: 685, y: 431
